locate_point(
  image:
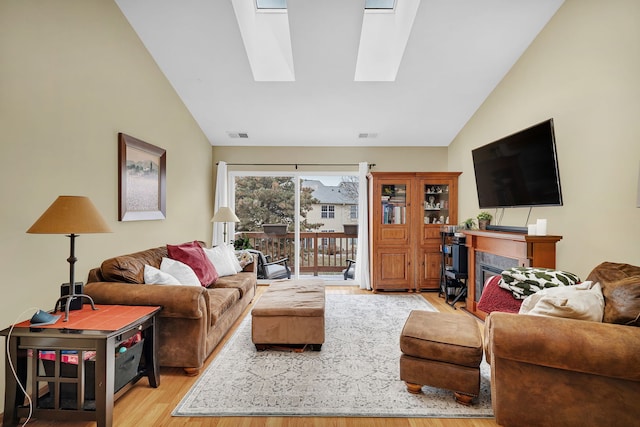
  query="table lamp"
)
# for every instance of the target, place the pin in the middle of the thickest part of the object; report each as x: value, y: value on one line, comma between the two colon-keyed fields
x: 225, y: 215
x: 71, y: 215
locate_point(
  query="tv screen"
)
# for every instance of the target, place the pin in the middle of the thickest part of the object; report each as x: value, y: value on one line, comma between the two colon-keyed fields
x: 519, y: 170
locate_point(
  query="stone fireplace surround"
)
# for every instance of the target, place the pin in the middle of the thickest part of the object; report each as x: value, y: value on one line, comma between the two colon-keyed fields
x: 489, y: 265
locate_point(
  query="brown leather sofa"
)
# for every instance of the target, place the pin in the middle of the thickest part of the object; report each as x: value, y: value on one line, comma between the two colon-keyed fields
x: 193, y: 319
x: 549, y: 371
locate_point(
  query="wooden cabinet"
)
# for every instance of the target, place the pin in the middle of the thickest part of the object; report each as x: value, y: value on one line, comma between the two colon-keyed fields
x: 438, y: 192
x: 407, y: 211
x: 392, y: 237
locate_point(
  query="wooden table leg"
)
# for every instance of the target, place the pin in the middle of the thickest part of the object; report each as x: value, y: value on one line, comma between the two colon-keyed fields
x: 150, y: 357
x: 105, y: 378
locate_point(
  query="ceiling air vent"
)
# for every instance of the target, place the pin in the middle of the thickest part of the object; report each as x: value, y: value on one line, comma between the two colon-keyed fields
x: 367, y: 135
x: 238, y: 134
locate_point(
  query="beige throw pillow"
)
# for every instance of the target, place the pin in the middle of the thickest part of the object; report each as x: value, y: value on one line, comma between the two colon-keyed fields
x: 583, y: 301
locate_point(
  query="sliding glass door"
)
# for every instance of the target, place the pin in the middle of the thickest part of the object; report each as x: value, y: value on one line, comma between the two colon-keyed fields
x: 317, y: 215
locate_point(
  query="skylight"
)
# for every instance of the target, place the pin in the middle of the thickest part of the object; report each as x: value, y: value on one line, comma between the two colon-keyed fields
x: 383, y: 39
x: 266, y: 39
x: 379, y: 4
x: 271, y: 4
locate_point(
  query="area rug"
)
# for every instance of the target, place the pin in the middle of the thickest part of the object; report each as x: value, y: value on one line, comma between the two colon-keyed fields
x: 356, y: 374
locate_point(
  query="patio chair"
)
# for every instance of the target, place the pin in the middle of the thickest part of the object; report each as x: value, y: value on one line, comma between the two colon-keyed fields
x: 268, y: 269
x: 350, y: 271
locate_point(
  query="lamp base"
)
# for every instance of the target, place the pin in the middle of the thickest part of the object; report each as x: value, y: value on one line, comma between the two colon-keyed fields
x: 76, y: 303
x: 66, y: 301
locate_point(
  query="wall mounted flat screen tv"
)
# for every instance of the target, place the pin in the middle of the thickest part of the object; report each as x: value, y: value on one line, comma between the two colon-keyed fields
x: 519, y: 170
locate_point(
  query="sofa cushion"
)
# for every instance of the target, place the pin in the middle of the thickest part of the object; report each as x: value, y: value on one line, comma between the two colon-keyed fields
x: 181, y: 271
x: 582, y: 302
x: 611, y: 272
x: 220, y: 300
x: 622, y: 301
x: 126, y: 268
x: 154, y: 276
x: 243, y: 282
x: 193, y: 255
x: 235, y: 261
x: 130, y: 268
x: 220, y: 260
x: 525, y: 281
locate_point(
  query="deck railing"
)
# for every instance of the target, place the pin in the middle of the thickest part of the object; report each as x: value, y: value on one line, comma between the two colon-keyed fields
x: 320, y: 253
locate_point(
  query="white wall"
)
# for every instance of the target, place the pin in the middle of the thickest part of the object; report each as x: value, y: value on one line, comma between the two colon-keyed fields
x: 583, y: 70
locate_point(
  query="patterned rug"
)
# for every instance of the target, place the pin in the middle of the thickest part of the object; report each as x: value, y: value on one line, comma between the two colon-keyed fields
x: 356, y: 374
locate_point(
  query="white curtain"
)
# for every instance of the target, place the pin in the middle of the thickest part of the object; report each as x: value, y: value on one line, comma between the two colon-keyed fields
x: 220, y: 200
x: 362, y: 256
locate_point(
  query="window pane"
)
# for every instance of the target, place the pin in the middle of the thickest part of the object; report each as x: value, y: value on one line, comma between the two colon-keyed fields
x: 353, y: 211
x: 271, y: 4
x: 379, y: 4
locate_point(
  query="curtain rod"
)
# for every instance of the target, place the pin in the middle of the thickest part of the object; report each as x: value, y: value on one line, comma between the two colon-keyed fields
x: 296, y: 164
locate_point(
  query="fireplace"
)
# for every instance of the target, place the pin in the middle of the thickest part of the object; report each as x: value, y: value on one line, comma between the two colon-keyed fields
x: 489, y: 265
x: 496, y: 251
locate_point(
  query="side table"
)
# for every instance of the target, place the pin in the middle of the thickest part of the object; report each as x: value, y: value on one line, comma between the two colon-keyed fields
x: 101, y: 331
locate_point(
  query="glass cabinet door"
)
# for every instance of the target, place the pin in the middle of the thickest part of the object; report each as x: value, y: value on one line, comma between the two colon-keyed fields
x: 436, y: 203
x: 394, y: 204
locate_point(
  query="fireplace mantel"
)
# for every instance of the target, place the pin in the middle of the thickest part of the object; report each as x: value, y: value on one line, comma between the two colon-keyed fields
x: 528, y: 251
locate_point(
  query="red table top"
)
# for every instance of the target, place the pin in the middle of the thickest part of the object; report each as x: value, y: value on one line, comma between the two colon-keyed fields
x: 106, y: 318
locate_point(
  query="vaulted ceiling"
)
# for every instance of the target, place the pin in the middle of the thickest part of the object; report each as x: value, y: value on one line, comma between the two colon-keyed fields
x: 456, y: 53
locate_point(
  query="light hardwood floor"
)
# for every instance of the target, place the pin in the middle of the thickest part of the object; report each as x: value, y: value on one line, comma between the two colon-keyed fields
x: 143, y: 406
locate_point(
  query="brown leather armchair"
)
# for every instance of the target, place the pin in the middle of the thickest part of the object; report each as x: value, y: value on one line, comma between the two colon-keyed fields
x: 548, y: 371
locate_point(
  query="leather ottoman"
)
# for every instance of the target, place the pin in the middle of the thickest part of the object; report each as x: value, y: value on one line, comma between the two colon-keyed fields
x: 441, y: 350
x: 289, y: 313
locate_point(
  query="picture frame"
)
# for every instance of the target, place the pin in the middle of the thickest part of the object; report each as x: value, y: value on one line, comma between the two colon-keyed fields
x: 141, y: 180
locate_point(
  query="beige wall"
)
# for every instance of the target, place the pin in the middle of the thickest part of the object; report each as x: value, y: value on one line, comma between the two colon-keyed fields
x: 72, y: 75
x: 582, y: 70
x: 386, y: 159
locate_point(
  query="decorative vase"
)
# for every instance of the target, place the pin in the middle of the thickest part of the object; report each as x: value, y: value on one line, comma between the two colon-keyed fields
x: 482, y: 223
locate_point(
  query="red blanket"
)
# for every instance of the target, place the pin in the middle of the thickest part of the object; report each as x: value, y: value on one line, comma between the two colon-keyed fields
x: 495, y: 298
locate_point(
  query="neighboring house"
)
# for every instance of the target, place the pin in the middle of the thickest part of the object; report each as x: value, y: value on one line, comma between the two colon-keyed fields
x: 338, y: 205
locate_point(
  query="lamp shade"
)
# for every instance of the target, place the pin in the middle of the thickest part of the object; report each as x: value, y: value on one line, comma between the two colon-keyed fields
x: 70, y: 215
x: 225, y: 214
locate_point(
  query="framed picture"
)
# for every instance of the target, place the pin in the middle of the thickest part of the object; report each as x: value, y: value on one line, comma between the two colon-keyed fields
x: 141, y: 180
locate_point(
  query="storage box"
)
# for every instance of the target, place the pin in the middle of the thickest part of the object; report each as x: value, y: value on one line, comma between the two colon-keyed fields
x: 127, y: 364
x: 126, y: 368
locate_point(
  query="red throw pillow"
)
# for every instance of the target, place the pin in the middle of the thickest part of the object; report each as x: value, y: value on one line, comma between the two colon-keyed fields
x: 193, y: 255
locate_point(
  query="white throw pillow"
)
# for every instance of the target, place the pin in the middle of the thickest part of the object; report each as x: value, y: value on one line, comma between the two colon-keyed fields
x: 583, y: 301
x: 181, y: 271
x: 218, y: 257
x: 231, y: 254
x: 153, y: 276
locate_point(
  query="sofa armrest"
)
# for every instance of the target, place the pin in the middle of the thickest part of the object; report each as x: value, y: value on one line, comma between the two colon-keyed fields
x: 177, y: 301
x: 574, y: 345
